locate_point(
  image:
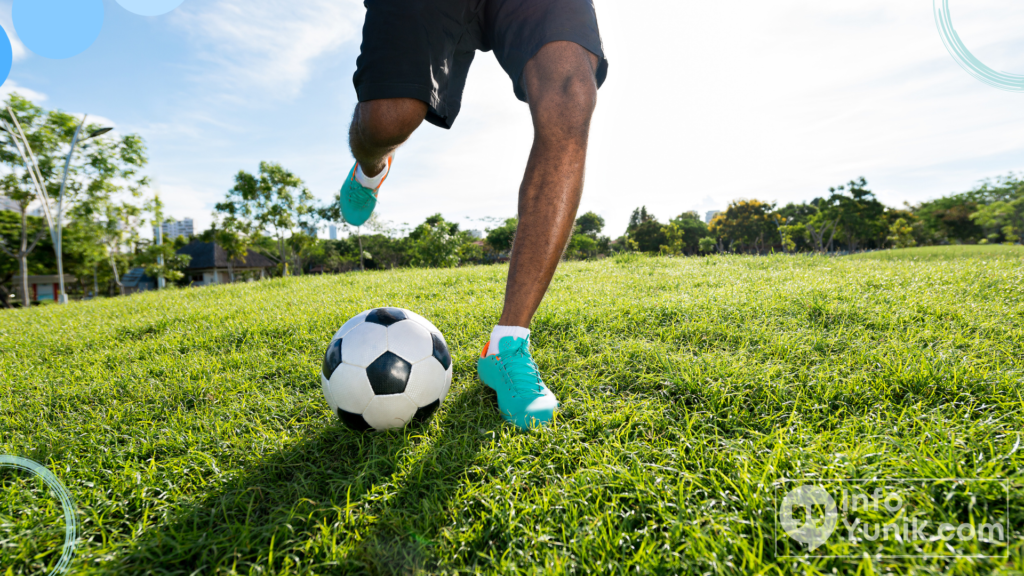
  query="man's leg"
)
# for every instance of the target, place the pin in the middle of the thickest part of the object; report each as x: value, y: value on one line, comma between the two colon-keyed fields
x: 379, y: 127
x: 562, y: 91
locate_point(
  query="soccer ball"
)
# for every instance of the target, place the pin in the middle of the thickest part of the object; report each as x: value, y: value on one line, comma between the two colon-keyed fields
x: 385, y: 368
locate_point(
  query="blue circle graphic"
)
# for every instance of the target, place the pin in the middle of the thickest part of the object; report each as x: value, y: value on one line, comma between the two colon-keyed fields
x: 58, y: 28
x: 149, y: 7
x: 6, y: 56
x: 966, y: 60
x: 66, y: 503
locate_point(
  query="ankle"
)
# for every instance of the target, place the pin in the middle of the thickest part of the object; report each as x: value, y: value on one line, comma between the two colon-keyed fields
x: 373, y: 175
x: 500, y: 332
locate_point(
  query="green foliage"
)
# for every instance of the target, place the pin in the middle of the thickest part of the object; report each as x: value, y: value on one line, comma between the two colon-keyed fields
x: 649, y: 236
x: 590, y: 224
x: 582, y: 246
x: 274, y: 201
x: 435, y: 243
x: 707, y: 245
x: 746, y: 225
x: 901, y: 234
x: 191, y: 429
x: 500, y: 238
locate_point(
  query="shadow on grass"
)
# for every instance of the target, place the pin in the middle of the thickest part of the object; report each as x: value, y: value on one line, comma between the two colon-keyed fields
x: 335, y: 502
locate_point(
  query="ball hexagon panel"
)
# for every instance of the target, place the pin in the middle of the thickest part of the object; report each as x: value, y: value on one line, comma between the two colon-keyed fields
x: 352, y: 323
x: 393, y: 411
x: 364, y: 344
x: 353, y: 421
x: 350, y: 388
x: 385, y: 316
x: 409, y: 340
x: 441, y: 350
x: 423, y: 321
x: 426, y: 383
x: 388, y: 374
x: 331, y: 358
x: 326, y: 384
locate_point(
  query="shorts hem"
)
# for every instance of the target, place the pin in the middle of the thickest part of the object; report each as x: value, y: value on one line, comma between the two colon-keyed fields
x: 424, y: 94
x: 586, y: 43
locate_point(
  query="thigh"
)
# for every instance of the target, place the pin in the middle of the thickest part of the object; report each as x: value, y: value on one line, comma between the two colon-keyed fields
x: 517, y: 29
x: 419, y: 49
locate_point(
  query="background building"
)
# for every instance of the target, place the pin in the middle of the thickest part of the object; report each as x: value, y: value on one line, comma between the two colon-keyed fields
x: 332, y: 231
x: 172, y: 230
x: 711, y: 214
x: 209, y: 265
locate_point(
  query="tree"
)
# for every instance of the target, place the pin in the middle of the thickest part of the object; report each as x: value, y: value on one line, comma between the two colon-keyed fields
x: 746, y: 224
x: 1006, y: 216
x: 273, y: 201
x: 901, y: 234
x: 501, y: 238
x: 435, y: 243
x: 649, y: 236
x: 638, y: 217
x: 29, y: 235
x: 790, y: 234
x: 686, y: 231
x: 590, y: 224
x: 858, y: 214
x: 707, y: 244
x: 582, y: 246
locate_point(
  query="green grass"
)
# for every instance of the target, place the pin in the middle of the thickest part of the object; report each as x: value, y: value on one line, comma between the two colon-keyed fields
x: 928, y: 253
x: 191, y: 430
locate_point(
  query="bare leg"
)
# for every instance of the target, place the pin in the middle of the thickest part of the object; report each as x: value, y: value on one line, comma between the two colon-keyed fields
x: 379, y: 127
x: 562, y: 89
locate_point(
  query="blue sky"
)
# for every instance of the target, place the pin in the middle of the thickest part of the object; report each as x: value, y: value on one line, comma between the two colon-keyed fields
x: 705, y: 103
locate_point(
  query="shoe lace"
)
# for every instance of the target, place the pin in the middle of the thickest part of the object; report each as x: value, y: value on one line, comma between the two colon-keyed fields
x: 360, y: 196
x: 522, y: 371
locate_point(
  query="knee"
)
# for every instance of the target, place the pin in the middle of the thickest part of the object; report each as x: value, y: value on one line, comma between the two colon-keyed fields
x: 388, y: 122
x: 562, y: 88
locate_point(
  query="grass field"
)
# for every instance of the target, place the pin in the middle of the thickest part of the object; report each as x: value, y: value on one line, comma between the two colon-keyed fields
x: 926, y: 253
x: 192, y: 432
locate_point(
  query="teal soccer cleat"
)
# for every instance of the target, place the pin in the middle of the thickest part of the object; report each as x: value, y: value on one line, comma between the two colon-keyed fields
x: 523, y: 399
x: 358, y: 201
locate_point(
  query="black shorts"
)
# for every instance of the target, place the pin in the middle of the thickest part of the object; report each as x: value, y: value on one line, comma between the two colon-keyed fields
x: 422, y: 49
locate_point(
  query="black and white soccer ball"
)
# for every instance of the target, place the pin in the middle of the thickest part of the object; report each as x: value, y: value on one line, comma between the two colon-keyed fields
x: 384, y: 368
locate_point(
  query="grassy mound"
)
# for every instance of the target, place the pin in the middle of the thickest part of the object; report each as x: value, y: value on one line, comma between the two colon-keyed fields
x: 190, y: 428
x: 929, y: 253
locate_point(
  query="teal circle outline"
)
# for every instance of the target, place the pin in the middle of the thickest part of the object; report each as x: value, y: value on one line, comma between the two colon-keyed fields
x: 966, y: 60
x: 66, y: 503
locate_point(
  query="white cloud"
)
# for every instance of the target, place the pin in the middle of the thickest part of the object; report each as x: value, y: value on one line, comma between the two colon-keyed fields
x: 268, y: 45
x: 12, y: 86
x: 17, y: 48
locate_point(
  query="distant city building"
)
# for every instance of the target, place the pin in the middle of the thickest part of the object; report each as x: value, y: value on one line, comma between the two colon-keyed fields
x: 711, y: 214
x: 172, y: 230
x: 332, y: 230
x: 475, y: 233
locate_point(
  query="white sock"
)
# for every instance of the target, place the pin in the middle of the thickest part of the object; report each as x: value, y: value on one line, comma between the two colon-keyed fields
x: 372, y: 183
x: 500, y: 332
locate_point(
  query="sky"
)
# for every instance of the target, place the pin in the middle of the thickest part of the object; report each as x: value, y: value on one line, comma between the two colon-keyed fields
x: 705, y: 103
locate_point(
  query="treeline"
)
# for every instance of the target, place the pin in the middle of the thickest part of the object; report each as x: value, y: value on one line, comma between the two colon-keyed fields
x: 849, y: 219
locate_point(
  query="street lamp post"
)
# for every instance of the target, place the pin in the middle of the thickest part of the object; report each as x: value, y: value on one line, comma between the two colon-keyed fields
x: 63, y: 299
